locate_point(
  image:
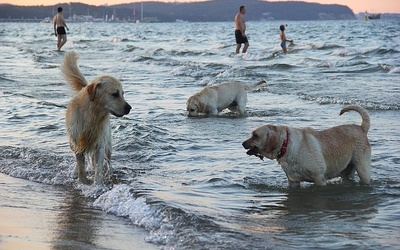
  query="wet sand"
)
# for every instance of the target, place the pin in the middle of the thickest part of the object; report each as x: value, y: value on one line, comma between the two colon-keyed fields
x: 39, y: 216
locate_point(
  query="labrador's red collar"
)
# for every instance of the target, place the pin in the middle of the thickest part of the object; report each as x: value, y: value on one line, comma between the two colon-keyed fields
x: 284, y: 146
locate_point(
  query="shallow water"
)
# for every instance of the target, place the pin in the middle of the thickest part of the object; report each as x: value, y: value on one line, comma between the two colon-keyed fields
x: 188, y: 182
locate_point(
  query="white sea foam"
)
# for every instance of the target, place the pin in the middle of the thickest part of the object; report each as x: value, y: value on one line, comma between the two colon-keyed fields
x: 119, y: 201
x: 394, y: 70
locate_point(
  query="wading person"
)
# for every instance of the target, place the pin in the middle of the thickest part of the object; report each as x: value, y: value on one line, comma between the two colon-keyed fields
x: 59, y: 29
x: 240, y: 34
x: 283, y: 39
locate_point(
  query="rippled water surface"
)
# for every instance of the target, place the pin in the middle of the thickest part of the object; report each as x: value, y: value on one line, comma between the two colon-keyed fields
x: 188, y: 182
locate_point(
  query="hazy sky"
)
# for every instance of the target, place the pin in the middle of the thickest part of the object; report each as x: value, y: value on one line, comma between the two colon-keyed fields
x: 382, y: 6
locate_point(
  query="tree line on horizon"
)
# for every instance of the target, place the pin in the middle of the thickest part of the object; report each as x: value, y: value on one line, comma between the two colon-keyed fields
x: 209, y: 11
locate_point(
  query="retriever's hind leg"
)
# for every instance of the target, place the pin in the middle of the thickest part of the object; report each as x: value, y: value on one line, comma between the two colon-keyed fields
x: 241, y: 104
x: 364, y: 171
x: 362, y: 164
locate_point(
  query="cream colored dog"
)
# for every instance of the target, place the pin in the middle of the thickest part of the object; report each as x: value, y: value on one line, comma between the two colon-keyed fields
x: 316, y: 156
x: 214, y: 99
x: 88, y: 117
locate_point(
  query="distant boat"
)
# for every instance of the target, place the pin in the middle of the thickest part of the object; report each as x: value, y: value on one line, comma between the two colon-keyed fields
x: 372, y: 16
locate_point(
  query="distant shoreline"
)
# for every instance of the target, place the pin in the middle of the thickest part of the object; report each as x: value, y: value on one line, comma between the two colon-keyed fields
x: 209, y: 11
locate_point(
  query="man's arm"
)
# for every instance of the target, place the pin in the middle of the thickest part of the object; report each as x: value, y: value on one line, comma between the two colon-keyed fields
x: 242, y: 25
x: 55, y: 25
x: 65, y: 25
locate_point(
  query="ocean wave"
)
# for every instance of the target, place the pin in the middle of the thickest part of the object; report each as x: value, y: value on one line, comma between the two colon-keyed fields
x: 282, y: 66
x: 84, y: 41
x: 141, y: 143
x: 364, y: 103
x: 190, y: 53
x: 221, y: 46
x: 167, y: 225
x: 119, y: 39
x: 138, y: 59
x: 269, y: 55
x: 156, y: 52
x: 52, y: 104
x: 120, y: 201
x: 193, y: 70
x: 5, y: 79
x: 323, y: 46
x: 36, y: 165
x: 19, y: 94
x: 183, y: 40
x: 130, y: 48
x: 311, y: 62
x: 344, y: 52
x: 356, y: 67
x: 380, y: 52
x: 393, y: 69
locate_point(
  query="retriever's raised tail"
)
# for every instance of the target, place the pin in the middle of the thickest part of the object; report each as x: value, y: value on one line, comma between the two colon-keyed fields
x: 71, y: 71
x: 254, y: 85
x: 366, y: 122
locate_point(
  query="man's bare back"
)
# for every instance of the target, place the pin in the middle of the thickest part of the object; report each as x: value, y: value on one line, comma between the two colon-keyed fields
x: 240, y: 23
x: 59, y: 20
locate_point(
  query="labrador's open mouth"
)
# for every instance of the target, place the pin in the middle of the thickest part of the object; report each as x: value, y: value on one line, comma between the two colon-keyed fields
x: 254, y: 151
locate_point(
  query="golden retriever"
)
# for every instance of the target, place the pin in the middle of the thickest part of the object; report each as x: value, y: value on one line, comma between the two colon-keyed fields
x: 214, y: 99
x: 88, y: 117
x: 316, y: 156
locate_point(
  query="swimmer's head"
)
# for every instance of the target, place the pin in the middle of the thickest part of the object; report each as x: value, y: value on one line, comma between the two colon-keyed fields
x: 282, y: 27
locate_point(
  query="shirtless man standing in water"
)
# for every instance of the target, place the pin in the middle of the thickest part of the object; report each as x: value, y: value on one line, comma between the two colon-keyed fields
x: 59, y: 29
x: 240, y: 30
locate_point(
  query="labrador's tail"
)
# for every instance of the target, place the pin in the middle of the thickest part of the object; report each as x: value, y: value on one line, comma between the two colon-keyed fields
x: 366, y: 122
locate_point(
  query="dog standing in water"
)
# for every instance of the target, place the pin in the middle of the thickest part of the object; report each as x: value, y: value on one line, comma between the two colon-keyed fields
x: 316, y: 156
x: 88, y: 117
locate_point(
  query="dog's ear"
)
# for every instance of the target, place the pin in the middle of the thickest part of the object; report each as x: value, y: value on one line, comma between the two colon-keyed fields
x: 271, y: 139
x: 91, y: 89
x: 200, y: 106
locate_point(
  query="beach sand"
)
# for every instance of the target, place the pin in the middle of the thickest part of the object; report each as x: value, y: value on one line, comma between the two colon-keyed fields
x: 39, y: 216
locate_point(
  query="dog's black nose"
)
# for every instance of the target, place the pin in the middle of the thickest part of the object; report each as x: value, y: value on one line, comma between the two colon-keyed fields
x: 127, y: 108
x: 244, y: 144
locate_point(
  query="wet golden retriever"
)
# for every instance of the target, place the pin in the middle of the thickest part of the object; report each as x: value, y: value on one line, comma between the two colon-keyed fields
x: 316, y: 156
x: 213, y: 99
x: 88, y: 117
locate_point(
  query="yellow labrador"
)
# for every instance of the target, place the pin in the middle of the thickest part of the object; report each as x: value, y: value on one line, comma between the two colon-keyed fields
x: 214, y: 99
x: 316, y: 156
x: 88, y: 117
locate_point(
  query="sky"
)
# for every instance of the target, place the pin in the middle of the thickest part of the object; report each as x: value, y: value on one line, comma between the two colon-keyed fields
x: 381, y: 6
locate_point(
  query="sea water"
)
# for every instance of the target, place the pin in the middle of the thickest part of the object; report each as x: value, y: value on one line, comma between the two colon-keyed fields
x: 187, y: 182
